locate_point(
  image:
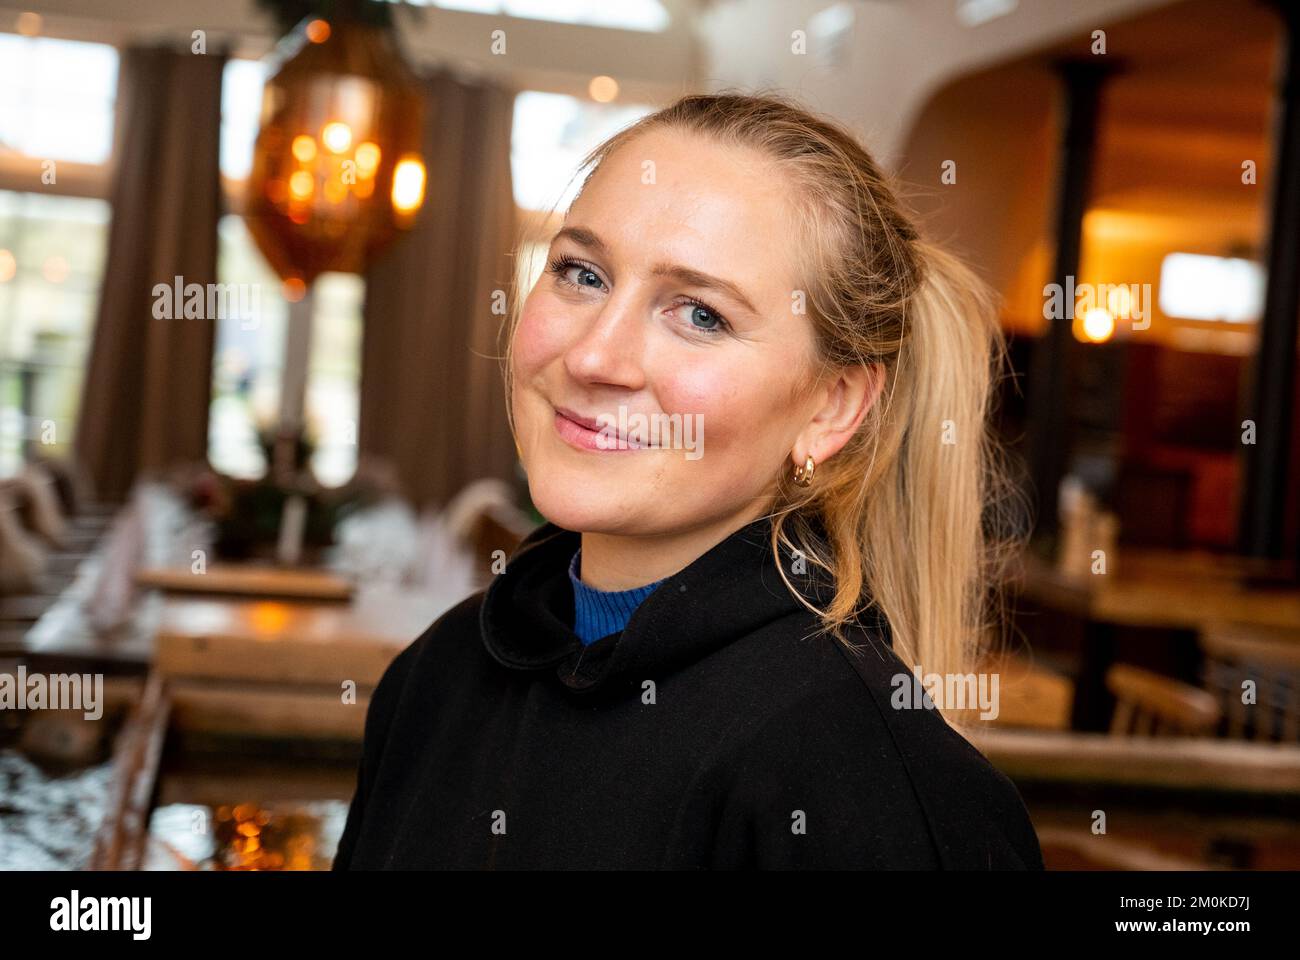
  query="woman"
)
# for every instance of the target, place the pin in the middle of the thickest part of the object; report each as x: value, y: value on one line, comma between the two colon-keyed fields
x: 750, y: 402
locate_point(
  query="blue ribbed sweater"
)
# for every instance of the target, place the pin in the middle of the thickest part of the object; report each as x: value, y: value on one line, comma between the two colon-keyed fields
x: 598, y: 613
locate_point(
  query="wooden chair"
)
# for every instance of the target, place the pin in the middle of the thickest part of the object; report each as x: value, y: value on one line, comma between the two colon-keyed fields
x: 23, y: 557
x: 1148, y: 704
x: 497, y: 529
x: 484, y: 518
x: 1270, y: 658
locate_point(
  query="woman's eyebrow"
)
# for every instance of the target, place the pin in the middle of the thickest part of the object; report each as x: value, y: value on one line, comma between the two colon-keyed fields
x: 582, y: 237
x: 685, y: 275
x: 693, y: 278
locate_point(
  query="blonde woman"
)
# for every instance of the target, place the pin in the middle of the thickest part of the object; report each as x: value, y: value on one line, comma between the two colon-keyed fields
x: 750, y: 401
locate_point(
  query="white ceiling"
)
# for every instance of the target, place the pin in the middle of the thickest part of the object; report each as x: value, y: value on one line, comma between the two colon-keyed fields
x: 895, y: 54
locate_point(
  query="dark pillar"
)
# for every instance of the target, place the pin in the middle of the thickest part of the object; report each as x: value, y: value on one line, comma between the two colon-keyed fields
x: 1266, y: 487
x: 1048, y: 425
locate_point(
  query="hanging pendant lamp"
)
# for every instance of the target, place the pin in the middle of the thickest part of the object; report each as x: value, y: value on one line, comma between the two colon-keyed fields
x: 337, y: 169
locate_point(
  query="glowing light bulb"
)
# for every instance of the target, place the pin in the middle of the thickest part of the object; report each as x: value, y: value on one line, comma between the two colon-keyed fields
x: 301, y: 184
x: 408, y: 185
x: 304, y: 148
x: 29, y: 24
x: 603, y: 89
x: 367, y: 158
x: 337, y: 137
x: 1098, y: 326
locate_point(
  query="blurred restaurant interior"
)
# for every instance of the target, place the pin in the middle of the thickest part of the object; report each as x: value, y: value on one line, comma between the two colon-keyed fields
x: 288, y: 441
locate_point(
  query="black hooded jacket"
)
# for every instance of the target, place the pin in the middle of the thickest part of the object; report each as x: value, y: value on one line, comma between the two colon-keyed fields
x: 716, y: 731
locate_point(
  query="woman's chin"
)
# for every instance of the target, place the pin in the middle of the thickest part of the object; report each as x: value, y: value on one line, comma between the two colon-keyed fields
x: 583, y: 506
x: 584, y: 518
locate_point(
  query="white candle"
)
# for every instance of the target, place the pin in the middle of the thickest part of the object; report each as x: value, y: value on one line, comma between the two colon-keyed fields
x: 293, y: 522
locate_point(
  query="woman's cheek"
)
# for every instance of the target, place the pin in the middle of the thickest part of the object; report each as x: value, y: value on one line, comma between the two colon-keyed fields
x: 541, y: 335
x: 713, y: 395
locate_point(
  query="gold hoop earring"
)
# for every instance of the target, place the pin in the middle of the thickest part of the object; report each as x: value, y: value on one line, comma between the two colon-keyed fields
x: 804, y: 475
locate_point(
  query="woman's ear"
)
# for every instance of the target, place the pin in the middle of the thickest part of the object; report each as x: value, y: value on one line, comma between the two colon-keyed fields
x: 849, y: 396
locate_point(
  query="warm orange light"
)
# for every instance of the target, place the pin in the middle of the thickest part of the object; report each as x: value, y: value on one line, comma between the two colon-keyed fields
x: 339, y: 116
x: 267, y: 618
x: 603, y: 89
x: 335, y: 191
x: 367, y: 158
x: 8, y: 266
x: 1095, y: 326
x: 304, y: 148
x: 408, y: 185
x: 337, y: 137
x: 318, y: 31
x: 29, y: 24
x: 293, y: 289
x: 301, y: 184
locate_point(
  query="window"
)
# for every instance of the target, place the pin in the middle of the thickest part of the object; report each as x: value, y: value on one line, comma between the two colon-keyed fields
x: 56, y: 98
x: 551, y: 134
x: 1197, y: 287
x: 248, y: 365
x: 241, y: 109
x: 249, y: 358
x: 56, y: 130
x: 333, y: 398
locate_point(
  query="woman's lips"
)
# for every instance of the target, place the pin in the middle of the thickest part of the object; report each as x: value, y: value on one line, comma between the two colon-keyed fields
x: 582, y: 434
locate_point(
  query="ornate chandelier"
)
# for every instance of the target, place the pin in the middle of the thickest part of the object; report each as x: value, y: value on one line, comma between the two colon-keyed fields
x: 337, y: 168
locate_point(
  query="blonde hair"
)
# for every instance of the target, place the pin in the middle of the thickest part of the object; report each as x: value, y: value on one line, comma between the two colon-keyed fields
x: 903, y: 504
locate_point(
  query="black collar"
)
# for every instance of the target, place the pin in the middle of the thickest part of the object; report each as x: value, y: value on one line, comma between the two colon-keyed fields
x: 727, y: 593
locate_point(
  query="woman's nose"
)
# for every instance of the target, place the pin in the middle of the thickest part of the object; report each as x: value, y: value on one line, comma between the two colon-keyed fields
x: 610, y: 344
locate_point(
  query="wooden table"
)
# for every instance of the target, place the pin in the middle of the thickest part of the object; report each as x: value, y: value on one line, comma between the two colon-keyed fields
x: 65, y: 634
x: 269, y: 668
x: 1029, y: 695
x: 1181, y: 763
x: 1170, y: 802
x: 1156, y: 589
x: 249, y: 580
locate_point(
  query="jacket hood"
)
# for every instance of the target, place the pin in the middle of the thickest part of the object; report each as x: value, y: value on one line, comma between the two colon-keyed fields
x: 731, y: 590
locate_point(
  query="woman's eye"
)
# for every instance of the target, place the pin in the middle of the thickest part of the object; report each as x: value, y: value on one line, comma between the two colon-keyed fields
x: 704, y: 319
x: 587, y: 278
x: 575, y: 274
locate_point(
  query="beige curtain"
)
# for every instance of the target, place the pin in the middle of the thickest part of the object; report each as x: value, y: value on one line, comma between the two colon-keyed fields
x: 148, y: 381
x: 432, y: 402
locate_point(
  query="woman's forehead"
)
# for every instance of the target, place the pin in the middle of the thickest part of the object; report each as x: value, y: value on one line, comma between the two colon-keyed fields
x: 668, y: 195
